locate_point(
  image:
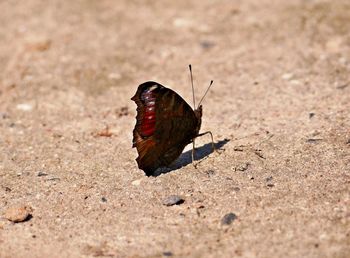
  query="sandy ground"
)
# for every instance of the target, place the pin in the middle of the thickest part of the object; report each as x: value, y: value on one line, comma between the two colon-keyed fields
x: 279, y: 107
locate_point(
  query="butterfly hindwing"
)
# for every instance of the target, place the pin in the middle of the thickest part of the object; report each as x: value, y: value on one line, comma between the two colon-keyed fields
x: 165, y: 124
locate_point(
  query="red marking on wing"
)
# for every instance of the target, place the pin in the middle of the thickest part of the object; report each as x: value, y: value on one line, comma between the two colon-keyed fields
x: 148, y: 122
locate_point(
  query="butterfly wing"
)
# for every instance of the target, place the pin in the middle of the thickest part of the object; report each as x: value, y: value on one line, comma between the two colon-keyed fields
x: 165, y: 124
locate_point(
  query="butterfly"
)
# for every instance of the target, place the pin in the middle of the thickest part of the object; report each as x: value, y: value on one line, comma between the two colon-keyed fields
x: 165, y: 124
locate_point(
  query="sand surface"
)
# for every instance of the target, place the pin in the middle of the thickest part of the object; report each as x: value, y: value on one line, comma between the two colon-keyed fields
x: 279, y: 110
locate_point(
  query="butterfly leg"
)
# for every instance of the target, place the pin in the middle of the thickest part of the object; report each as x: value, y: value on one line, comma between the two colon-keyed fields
x: 193, y: 150
x: 212, y: 139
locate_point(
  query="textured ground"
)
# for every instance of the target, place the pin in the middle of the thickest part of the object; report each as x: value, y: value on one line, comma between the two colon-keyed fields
x: 280, y: 107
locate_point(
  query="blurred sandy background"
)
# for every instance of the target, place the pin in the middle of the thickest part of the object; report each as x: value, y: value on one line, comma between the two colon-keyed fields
x: 280, y: 107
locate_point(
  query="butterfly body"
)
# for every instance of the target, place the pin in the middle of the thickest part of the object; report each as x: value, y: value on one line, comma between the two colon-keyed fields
x: 165, y: 124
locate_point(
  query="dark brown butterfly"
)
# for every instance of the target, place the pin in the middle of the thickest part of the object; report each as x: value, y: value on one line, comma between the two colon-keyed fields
x: 165, y: 124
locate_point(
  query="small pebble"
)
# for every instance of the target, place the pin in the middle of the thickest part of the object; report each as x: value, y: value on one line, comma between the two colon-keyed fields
x: 7, y: 189
x: 238, y: 148
x: 38, y: 44
x: 236, y: 189
x: 124, y: 111
x: 53, y: 179
x: 228, y: 218
x: 295, y: 82
x: 268, y: 179
x: 287, y: 76
x: 210, y: 172
x: 114, y: 76
x: 103, y: 199
x: 168, y: 253
x: 182, y: 23
x: 207, y: 44
x: 24, y: 107
x: 314, y: 140
x: 173, y: 200
x: 18, y: 213
x: 243, y: 167
x: 259, y: 153
x: 311, y: 115
x: 40, y: 173
x: 136, y: 182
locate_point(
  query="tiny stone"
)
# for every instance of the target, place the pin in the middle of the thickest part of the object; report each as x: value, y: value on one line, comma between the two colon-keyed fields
x: 136, y: 182
x: 238, y: 148
x: 270, y: 185
x: 311, y: 115
x: 168, y: 253
x: 53, y: 179
x: 287, y: 76
x: 40, y: 173
x: 243, y: 167
x: 269, y: 178
x: 18, y: 213
x: 173, y: 200
x: 7, y: 189
x: 114, y: 76
x: 210, y: 172
x: 24, y: 107
x: 124, y: 111
x: 103, y: 199
x: 207, y: 44
x: 181, y: 22
x: 314, y: 140
x: 295, y: 82
x: 228, y: 218
x: 259, y: 153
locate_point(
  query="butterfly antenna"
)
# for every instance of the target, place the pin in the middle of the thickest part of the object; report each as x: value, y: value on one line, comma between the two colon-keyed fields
x: 194, y: 102
x: 211, y: 83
